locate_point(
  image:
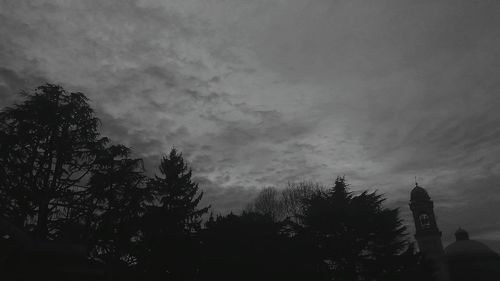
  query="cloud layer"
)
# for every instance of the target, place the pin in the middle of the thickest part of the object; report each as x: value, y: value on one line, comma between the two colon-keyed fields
x: 258, y: 93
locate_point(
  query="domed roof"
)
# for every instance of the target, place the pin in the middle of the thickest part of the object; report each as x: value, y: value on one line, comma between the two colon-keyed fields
x: 419, y: 194
x: 466, y: 248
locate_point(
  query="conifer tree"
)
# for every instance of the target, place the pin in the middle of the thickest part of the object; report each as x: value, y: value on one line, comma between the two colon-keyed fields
x: 49, y: 145
x: 170, y: 244
x: 176, y: 193
x: 357, y: 237
x: 120, y: 198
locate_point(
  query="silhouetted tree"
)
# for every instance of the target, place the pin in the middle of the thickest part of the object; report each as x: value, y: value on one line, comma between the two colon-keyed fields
x: 268, y: 203
x: 177, y: 193
x: 49, y: 145
x: 283, y: 204
x: 60, y: 180
x: 253, y: 246
x: 356, y: 237
x: 169, y: 240
x: 294, y: 195
x: 120, y: 197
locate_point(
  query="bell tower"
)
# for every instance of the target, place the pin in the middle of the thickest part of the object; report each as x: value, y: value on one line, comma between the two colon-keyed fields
x: 427, y: 233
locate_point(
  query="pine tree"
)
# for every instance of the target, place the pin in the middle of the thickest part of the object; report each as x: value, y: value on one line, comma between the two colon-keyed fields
x: 170, y: 244
x: 177, y: 194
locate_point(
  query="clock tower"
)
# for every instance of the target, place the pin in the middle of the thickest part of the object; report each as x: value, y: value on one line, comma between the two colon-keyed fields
x: 427, y: 233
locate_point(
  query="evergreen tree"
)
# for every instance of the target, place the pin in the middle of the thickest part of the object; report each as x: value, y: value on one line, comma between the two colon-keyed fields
x: 176, y: 193
x: 356, y: 237
x: 170, y: 245
x: 60, y: 180
x: 120, y: 197
x: 48, y: 148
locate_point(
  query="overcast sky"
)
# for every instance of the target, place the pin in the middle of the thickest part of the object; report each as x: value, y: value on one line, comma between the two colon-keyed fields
x: 262, y: 92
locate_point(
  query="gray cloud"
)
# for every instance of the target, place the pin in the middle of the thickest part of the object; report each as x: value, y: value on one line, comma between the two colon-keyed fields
x: 11, y: 84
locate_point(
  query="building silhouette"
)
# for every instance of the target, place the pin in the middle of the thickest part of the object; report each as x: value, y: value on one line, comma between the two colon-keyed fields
x: 462, y: 260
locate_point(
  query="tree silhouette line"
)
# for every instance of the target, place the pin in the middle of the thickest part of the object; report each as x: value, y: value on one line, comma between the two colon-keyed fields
x: 65, y: 189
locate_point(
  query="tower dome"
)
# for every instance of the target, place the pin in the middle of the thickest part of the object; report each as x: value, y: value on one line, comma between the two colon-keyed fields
x: 463, y: 247
x: 471, y: 260
x: 419, y: 194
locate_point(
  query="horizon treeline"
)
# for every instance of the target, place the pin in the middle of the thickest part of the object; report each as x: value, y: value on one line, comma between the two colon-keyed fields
x: 63, y: 183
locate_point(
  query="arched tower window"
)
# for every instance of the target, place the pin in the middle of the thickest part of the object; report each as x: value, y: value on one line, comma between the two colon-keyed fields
x: 425, y: 221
